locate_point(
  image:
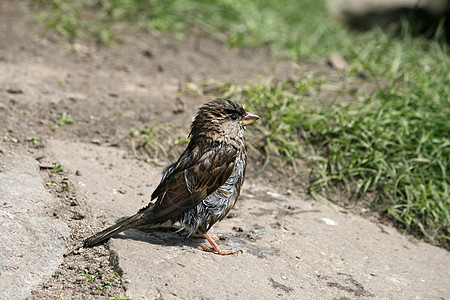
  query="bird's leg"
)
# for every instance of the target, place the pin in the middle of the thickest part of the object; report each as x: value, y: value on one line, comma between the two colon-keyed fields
x: 198, y: 235
x: 215, y: 248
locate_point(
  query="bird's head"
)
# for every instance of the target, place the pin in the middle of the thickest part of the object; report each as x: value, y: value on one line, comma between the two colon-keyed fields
x: 222, y: 121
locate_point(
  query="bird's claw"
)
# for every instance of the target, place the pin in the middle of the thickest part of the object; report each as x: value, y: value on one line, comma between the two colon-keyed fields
x: 218, y: 250
x: 215, y: 248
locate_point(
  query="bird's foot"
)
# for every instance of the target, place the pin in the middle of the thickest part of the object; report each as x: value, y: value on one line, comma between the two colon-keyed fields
x: 218, y: 250
x: 215, y: 248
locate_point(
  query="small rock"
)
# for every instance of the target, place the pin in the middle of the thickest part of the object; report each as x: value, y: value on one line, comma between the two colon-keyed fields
x: 46, y: 165
x: 14, y: 91
x: 147, y: 53
x: 329, y: 222
x: 76, y: 96
x: 337, y: 62
x: 275, y: 195
x: 77, y: 216
x: 80, y: 48
x: 238, y: 229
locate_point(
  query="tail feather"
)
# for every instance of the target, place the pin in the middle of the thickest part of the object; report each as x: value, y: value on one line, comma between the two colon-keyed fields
x: 113, y: 230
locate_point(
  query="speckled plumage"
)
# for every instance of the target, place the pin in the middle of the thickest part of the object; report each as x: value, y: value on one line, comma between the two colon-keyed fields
x: 201, y: 187
x: 216, y: 205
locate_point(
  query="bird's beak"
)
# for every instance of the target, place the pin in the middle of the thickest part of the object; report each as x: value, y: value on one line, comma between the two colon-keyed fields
x: 249, y: 119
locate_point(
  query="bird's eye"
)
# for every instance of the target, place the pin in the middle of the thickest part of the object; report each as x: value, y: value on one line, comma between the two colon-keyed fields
x: 233, y: 117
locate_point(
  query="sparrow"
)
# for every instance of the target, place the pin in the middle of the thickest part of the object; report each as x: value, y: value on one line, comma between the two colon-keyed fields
x: 201, y: 187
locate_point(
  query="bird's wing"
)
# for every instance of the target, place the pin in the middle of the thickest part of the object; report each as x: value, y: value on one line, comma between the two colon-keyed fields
x: 198, y: 173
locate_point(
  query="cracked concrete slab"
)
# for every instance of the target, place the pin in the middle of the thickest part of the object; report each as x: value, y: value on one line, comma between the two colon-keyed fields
x: 31, y: 244
x: 292, y: 248
x: 111, y: 184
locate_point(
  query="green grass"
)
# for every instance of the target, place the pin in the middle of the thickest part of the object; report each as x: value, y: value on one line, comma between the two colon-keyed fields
x: 63, y: 120
x: 391, y: 150
x: 100, y: 281
x: 33, y: 139
x: 152, y: 143
x: 295, y: 28
x: 387, y: 145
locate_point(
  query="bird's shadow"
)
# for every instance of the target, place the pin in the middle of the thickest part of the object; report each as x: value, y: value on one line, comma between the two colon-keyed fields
x: 163, y: 236
x: 172, y: 236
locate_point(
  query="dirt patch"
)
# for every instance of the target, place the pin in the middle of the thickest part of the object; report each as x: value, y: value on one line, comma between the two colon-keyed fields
x: 107, y: 92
